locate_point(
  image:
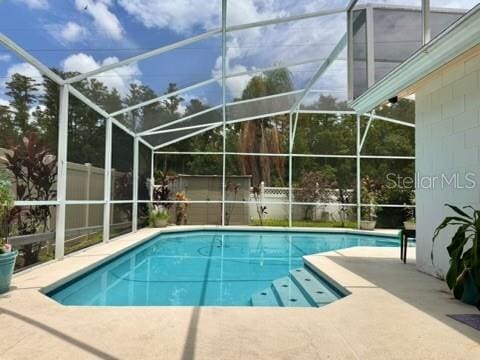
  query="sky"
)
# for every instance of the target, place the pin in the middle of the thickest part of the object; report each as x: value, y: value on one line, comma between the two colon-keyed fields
x: 82, y: 35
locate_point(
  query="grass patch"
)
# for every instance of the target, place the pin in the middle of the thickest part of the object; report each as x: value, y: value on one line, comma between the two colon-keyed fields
x: 83, y: 242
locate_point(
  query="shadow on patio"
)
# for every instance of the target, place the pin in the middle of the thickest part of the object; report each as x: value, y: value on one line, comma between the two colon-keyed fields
x: 426, y: 293
x: 62, y: 336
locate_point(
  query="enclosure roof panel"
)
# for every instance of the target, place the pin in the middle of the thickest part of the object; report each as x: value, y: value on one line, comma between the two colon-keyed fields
x: 170, y: 65
x: 461, y: 36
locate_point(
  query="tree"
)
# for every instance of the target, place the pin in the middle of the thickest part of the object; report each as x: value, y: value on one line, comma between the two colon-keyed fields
x: 47, y: 113
x: 86, y: 128
x: 264, y: 135
x: 329, y: 134
x: 6, y: 125
x: 312, y: 189
x: 23, y: 93
x: 328, y: 102
x: 146, y: 117
x: 34, y: 170
x: 172, y: 103
x: 208, y: 141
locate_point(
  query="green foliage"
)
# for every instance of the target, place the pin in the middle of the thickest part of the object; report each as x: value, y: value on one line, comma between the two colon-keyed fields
x: 464, y: 249
x: 156, y: 214
x: 370, y: 191
x: 6, y: 197
x: 267, y: 135
x: 311, y: 190
x: 390, y: 217
x: 392, y: 139
x: 6, y: 203
x: 22, y: 91
x: 410, y: 212
x: 34, y: 172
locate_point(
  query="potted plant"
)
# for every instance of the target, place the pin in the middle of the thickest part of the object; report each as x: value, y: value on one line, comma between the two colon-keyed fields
x: 463, y: 276
x: 181, y: 208
x: 409, y: 224
x: 7, y: 254
x: 369, y: 213
x: 369, y: 216
x: 158, y: 217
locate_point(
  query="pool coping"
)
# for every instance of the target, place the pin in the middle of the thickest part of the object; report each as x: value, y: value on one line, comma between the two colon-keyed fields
x: 407, y: 317
x: 144, y: 235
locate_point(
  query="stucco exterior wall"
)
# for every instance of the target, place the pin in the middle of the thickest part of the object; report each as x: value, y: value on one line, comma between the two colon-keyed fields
x: 447, y: 147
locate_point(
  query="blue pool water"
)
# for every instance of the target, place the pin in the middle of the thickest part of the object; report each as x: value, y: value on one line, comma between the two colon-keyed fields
x: 219, y: 268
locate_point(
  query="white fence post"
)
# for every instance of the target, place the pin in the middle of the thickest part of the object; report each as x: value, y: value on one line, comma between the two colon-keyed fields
x: 87, y: 192
x: 290, y: 169
x: 135, y: 185
x: 61, y: 172
x: 262, y: 193
x: 359, y: 180
x: 107, y: 180
x: 152, y: 175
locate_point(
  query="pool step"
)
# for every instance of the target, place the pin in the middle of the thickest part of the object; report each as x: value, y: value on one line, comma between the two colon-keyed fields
x: 289, y: 294
x: 265, y: 297
x: 312, y: 287
x: 302, y: 288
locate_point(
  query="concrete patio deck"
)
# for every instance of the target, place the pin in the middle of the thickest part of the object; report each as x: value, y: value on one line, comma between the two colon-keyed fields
x: 394, y: 312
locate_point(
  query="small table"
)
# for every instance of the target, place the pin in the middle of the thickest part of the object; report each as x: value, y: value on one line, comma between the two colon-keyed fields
x: 406, y: 234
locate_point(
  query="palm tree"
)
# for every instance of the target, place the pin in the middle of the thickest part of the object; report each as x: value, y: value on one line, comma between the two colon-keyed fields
x: 266, y: 135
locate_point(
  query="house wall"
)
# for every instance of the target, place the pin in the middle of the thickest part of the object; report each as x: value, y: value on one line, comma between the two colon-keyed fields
x: 447, y: 144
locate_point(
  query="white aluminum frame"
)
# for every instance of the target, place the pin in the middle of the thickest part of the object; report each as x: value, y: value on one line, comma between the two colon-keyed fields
x: 426, y: 30
x: 67, y: 89
x: 224, y: 105
x: 61, y: 172
x: 107, y: 180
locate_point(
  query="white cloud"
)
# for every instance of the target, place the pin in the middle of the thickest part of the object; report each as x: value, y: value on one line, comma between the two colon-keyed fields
x: 452, y: 4
x: 104, y: 20
x: 243, y: 12
x: 80, y: 62
x: 68, y: 33
x: 119, y: 78
x: 24, y: 69
x: 4, y: 102
x: 35, y: 4
x: 181, y: 109
x: 256, y: 47
x: 262, y: 47
x: 5, y: 57
x: 253, y: 48
x: 180, y: 16
x: 236, y: 84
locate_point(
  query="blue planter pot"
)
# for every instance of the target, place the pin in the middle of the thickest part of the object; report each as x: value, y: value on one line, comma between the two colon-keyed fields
x: 7, y: 263
x: 471, y: 294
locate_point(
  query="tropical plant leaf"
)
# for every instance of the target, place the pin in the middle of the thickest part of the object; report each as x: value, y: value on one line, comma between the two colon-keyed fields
x: 459, y: 286
x: 464, y: 259
x: 448, y: 221
x: 455, y: 249
x: 459, y: 211
x: 456, y: 267
x: 476, y: 277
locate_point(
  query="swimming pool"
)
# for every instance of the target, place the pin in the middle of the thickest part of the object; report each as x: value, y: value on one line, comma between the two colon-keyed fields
x: 215, y: 268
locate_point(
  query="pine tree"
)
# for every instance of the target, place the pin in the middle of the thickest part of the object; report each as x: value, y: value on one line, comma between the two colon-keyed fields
x: 23, y: 92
